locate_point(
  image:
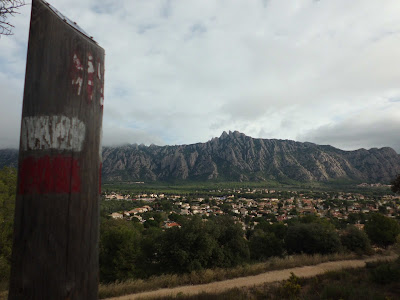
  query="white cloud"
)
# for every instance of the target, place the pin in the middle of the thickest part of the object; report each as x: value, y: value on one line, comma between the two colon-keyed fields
x: 184, y: 71
x: 367, y: 129
x: 10, y: 120
x: 117, y: 135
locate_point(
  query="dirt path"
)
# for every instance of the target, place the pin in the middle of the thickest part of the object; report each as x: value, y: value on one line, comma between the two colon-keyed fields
x: 271, y: 276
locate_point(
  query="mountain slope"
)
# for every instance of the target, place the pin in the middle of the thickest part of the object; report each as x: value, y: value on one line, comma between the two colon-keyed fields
x: 9, y: 158
x: 237, y: 157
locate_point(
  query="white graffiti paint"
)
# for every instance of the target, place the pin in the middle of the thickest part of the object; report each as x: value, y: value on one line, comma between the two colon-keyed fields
x: 91, y: 72
x: 98, y: 71
x: 52, y: 132
x: 101, y: 98
x: 79, y: 82
x: 77, y: 63
x: 101, y: 146
x: 78, y: 70
x: 90, y: 65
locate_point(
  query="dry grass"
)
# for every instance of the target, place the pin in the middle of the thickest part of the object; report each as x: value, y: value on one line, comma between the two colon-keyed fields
x: 211, y: 275
x: 3, y: 295
x: 351, y: 284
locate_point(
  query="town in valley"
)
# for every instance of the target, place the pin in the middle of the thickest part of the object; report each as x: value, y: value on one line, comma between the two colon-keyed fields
x: 248, y: 206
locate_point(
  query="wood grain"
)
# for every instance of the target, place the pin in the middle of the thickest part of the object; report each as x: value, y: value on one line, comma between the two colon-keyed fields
x: 56, y: 231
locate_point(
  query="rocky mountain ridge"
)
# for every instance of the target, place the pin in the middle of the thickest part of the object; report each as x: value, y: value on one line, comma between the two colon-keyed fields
x: 237, y: 157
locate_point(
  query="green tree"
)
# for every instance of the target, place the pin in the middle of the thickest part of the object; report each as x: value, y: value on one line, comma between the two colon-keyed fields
x: 382, y: 230
x: 148, y: 261
x: 396, y: 184
x: 353, y: 218
x: 312, y: 238
x: 119, y: 250
x: 264, y: 245
x: 8, y: 183
x: 279, y: 229
x: 355, y: 240
x: 231, y: 241
x: 199, y: 244
x: 177, y: 218
x: 186, y: 249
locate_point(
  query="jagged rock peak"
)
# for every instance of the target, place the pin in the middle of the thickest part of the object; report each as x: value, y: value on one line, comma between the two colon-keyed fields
x: 224, y: 135
x: 234, y: 157
x: 234, y: 134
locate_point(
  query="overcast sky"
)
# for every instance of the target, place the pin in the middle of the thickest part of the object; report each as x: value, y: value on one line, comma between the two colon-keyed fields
x: 183, y: 71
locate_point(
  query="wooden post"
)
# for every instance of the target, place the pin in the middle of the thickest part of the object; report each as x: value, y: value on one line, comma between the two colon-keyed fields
x: 56, y: 230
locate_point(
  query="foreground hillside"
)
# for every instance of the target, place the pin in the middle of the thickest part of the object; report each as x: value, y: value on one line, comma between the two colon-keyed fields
x: 260, y: 287
x: 237, y: 157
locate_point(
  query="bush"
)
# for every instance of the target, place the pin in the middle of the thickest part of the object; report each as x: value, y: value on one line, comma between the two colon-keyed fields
x: 8, y: 183
x: 355, y: 240
x: 382, y: 230
x: 264, y: 245
x: 290, y: 288
x: 198, y: 245
x: 119, y: 250
x: 312, y: 238
x: 386, y: 273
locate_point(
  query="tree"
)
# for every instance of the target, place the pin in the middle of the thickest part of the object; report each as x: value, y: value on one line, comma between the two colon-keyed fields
x: 382, y: 230
x: 187, y: 249
x: 119, y: 250
x: 264, y: 245
x: 230, y: 238
x: 311, y: 238
x: 8, y: 184
x: 355, y: 240
x: 396, y: 184
x: 8, y: 8
x: 198, y: 244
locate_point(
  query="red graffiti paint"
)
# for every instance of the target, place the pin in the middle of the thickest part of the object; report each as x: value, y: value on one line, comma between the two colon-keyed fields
x: 48, y: 175
x: 101, y: 165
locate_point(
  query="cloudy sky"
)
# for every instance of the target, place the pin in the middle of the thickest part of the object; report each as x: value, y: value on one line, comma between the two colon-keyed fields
x: 184, y: 71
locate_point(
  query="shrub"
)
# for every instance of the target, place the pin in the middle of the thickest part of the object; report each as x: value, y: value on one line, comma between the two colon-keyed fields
x: 386, y: 273
x: 312, y: 238
x: 382, y: 230
x: 355, y: 240
x: 291, y: 287
x: 264, y: 245
x: 119, y: 250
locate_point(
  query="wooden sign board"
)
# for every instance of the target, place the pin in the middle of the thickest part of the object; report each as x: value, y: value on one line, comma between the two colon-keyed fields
x: 56, y: 229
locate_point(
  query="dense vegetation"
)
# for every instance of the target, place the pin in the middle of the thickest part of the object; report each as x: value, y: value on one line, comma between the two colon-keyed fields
x: 130, y: 249
x: 8, y: 183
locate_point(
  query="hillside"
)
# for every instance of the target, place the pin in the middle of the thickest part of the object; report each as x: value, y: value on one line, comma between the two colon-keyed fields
x: 237, y: 157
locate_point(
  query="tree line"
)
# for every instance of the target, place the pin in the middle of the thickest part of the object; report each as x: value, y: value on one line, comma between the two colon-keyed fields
x: 130, y: 249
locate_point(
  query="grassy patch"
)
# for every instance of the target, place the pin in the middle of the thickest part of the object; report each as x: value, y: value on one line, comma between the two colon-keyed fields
x: 350, y: 284
x: 211, y: 275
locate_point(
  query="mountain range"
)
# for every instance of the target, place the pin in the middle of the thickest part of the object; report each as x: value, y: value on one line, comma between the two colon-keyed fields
x: 237, y: 157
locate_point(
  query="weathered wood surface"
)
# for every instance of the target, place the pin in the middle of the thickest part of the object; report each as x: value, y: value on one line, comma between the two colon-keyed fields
x: 56, y: 231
